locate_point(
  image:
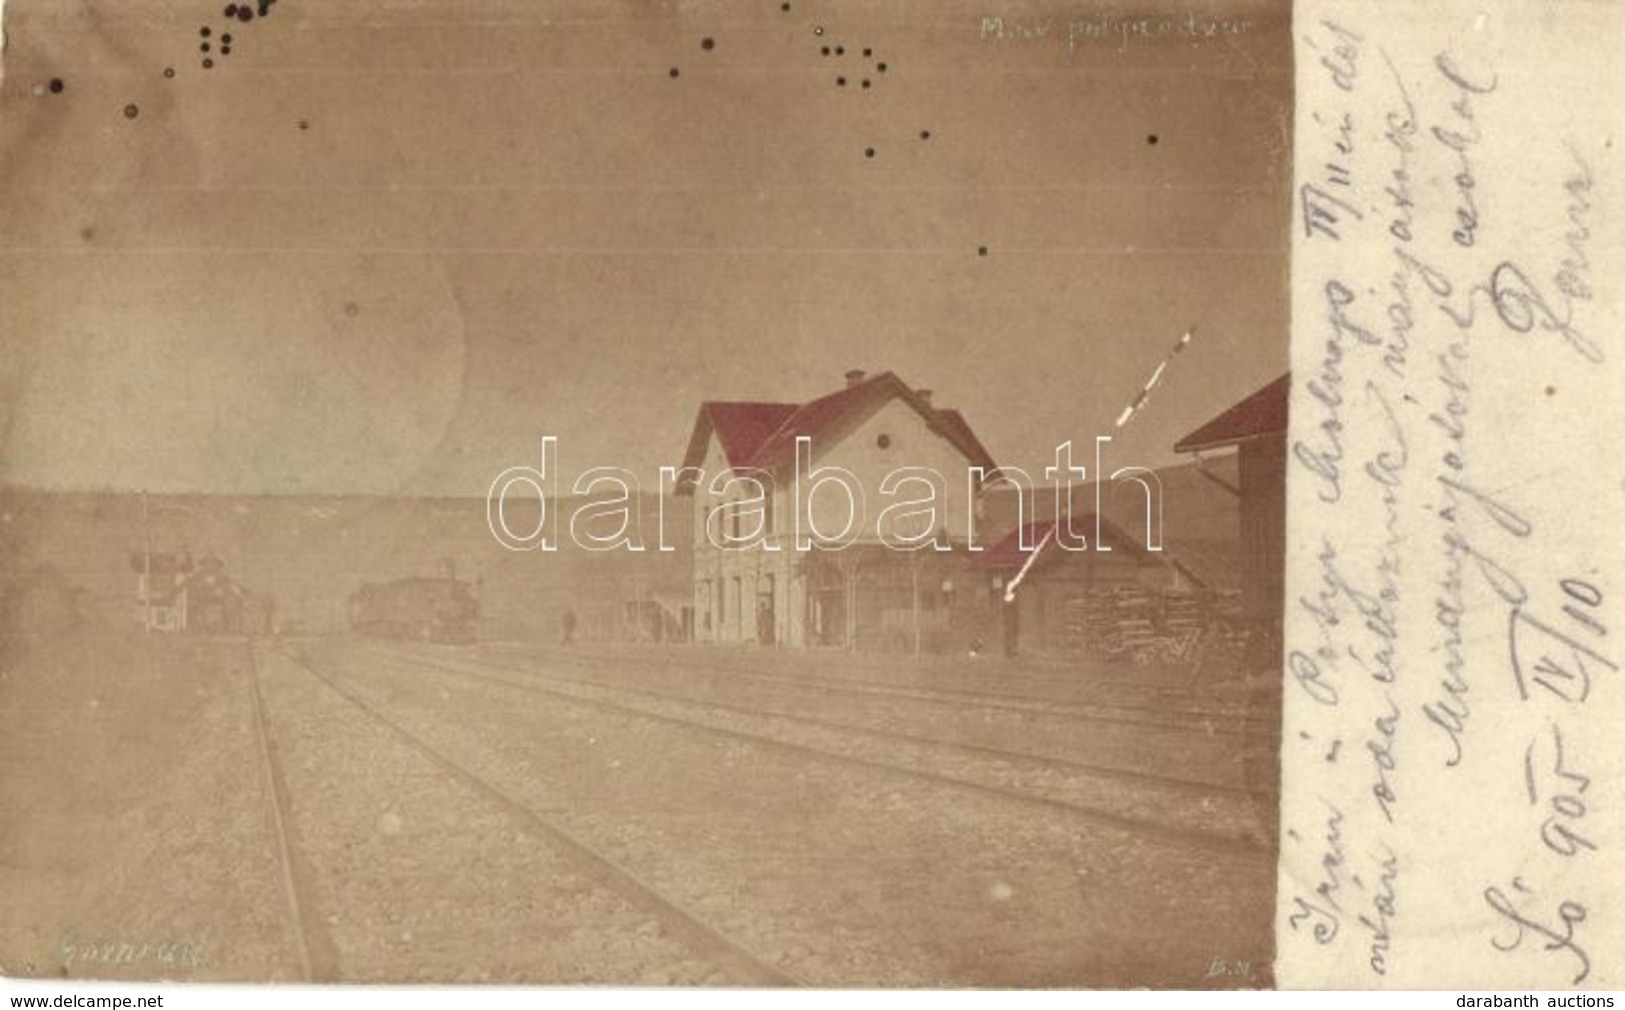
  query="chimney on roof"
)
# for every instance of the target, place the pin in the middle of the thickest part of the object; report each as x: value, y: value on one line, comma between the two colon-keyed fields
x: 854, y: 377
x: 924, y: 394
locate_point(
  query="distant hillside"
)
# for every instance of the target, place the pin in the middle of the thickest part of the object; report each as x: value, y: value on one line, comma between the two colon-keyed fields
x: 310, y: 553
x: 72, y: 550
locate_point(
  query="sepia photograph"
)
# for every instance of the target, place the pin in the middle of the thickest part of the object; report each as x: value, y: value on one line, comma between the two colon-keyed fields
x: 644, y: 493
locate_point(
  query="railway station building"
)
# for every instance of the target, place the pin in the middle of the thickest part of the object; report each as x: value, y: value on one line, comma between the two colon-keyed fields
x: 866, y: 593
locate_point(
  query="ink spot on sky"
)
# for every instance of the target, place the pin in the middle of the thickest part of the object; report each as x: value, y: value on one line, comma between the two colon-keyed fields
x: 925, y: 134
x: 1151, y: 139
x: 231, y: 10
x: 708, y: 43
x: 225, y: 50
x: 825, y: 50
x: 169, y: 71
x: 981, y: 250
x: 225, y: 39
x: 868, y: 152
x: 785, y: 7
x: 304, y: 124
x: 208, y: 64
x: 57, y: 85
x: 867, y: 52
x: 866, y: 82
x: 880, y: 67
x: 204, y: 31
x: 204, y: 47
x: 244, y: 14
x: 131, y: 111
x: 1551, y: 390
x: 674, y: 71
x: 840, y: 50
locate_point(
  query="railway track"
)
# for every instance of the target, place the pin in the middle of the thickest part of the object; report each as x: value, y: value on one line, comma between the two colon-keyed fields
x: 878, y: 669
x: 1214, y: 722
x: 303, y: 880
x: 887, y: 664
x: 308, y: 935
x: 1070, y: 765
x: 1231, y: 844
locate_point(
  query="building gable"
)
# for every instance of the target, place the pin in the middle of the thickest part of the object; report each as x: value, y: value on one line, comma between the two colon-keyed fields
x: 763, y: 436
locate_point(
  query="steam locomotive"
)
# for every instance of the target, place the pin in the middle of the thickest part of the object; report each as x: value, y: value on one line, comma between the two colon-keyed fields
x: 421, y: 609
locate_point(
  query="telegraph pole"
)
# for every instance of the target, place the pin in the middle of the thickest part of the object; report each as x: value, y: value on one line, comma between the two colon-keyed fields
x: 914, y: 576
x: 146, y: 567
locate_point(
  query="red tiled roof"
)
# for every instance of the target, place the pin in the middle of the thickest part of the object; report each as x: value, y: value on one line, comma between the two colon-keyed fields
x: 1262, y: 413
x: 743, y: 427
x: 763, y: 436
x: 740, y: 427
x: 818, y: 419
x: 1010, y: 553
x: 1199, y: 517
x: 960, y: 434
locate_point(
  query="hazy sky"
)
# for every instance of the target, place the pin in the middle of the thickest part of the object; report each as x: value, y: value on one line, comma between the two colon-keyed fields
x: 384, y: 246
